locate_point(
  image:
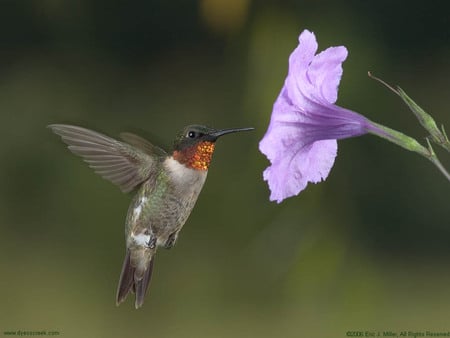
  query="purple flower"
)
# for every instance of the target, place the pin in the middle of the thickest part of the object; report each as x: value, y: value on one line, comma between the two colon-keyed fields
x: 300, y: 141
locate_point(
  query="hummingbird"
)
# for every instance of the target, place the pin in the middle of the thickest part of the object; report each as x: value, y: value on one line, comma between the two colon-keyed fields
x: 167, y: 186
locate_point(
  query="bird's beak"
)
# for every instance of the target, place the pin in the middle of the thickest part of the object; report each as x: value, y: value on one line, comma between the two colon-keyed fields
x: 216, y: 134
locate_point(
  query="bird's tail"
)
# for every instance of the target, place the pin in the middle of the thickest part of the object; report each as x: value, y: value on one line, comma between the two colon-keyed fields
x: 135, y: 278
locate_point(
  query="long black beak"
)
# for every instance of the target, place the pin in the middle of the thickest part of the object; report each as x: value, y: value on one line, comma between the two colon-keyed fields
x: 216, y: 134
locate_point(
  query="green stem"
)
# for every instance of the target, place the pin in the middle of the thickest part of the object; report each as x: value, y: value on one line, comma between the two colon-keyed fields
x: 426, y: 120
x: 436, y: 161
x: 441, y: 168
x: 407, y: 143
x: 398, y: 138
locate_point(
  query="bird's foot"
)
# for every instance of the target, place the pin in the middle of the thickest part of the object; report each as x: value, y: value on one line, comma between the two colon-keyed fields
x: 151, y: 244
x: 171, y: 241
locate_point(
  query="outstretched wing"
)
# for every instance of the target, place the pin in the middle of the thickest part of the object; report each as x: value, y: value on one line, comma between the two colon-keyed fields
x: 142, y: 144
x: 123, y: 164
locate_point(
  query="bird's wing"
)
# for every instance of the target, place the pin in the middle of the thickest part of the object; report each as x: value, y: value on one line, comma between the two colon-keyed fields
x: 123, y: 164
x: 142, y: 144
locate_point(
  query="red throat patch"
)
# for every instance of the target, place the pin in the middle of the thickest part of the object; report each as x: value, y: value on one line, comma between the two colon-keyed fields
x: 196, y: 157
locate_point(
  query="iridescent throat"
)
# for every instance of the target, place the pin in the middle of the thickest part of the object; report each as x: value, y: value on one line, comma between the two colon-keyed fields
x: 197, y: 156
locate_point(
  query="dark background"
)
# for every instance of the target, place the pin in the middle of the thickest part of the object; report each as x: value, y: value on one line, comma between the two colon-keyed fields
x: 368, y: 249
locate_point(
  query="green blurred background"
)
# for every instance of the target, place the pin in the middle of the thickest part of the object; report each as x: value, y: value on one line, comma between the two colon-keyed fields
x: 367, y: 250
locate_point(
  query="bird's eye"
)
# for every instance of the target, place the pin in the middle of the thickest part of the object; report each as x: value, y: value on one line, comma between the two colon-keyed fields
x: 192, y: 134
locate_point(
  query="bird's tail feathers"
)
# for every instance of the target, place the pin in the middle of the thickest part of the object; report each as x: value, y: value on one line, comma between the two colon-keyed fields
x: 135, y: 277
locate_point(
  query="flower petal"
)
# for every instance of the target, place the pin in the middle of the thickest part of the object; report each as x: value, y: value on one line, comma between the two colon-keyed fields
x: 288, y: 176
x: 297, y: 83
x: 314, y: 77
x: 325, y: 72
x: 293, y: 144
x: 300, y: 141
x: 281, y: 134
x: 302, y: 56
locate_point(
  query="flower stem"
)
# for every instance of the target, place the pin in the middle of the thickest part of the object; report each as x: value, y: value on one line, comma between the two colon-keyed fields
x: 398, y: 138
x: 426, y: 120
x: 407, y: 143
x: 438, y: 136
x: 436, y: 161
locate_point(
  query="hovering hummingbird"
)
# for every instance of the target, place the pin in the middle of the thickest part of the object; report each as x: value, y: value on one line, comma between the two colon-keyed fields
x: 167, y: 188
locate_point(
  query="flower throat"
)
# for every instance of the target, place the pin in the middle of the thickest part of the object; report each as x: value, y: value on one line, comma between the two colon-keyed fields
x: 197, y: 156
